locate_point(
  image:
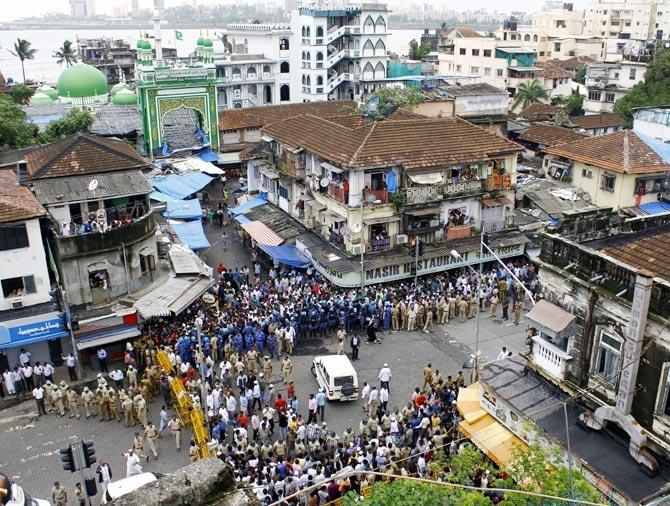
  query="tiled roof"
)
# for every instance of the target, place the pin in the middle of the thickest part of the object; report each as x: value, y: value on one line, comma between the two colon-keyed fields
x: 573, y: 63
x: 82, y: 154
x: 550, y: 135
x: 235, y: 119
x: 539, y: 109
x: 17, y: 203
x: 413, y: 143
x: 648, y: 253
x: 607, y: 151
x: 465, y: 31
x: 604, y: 119
x: 553, y: 71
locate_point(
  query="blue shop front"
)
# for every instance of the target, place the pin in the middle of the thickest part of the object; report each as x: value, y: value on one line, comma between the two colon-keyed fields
x: 44, y: 335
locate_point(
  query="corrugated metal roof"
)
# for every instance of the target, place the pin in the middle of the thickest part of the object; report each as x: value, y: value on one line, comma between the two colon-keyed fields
x: 75, y: 188
x: 172, y: 296
x: 260, y: 233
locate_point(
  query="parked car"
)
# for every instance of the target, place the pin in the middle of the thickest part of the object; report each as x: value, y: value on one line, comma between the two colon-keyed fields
x: 337, y: 376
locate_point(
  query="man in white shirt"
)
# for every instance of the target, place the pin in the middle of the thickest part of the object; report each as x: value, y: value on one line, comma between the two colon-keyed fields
x: 48, y: 372
x: 364, y: 395
x: 132, y: 463
x: 24, y: 357
x: 384, y: 397
x: 385, y: 376
x: 102, y: 358
x: 504, y: 354
x: 27, y: 371
x: 117, y: 376
x: 38, y: 394
x: 38, y: 371
x: 71, y: 364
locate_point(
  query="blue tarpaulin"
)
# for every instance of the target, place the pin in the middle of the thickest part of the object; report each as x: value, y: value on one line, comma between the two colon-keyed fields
x: 391, y: 185
x: 161, y: 197
x: 247, y: 206
x: 183, y: 209
x: 191, y: 234
x: 207, y: 155
x: 242, y: 218
x: 656, y: 207
x: 286, y: 254
x: 182, y: 185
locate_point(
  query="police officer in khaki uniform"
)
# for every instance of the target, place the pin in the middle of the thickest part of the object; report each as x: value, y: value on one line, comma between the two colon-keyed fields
x: 174, y: 426
x: 127, y: 407
x: 150, y: 435
x: 267, y: 368
x: 58, y: 393
x: 287, y: 370
x: 131, y: 373
x: 518, y: 306
x: 88, y: 397
x: 138, y: 446
x: 193, y: 454
x: 72, y: 404
x: 140, y: 409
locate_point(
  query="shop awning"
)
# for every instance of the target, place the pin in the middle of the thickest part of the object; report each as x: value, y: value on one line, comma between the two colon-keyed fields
x: 260, y: 233
x: 331, y: 167
x: 378, y: 221
x: 287, y: 254
x: 550, y: 316
x: 247, y: 206
x: 432, y: 178
x: 305, y: 198
x: 32, y: 329
x: 113, y: 336
x: 172, y: 297
x: 196, y: 164
x: 182, y: 185
x: 191, y: 234
x: 424, y: 212
x: 316, y: 205
x: 266, y: 138
x: 489, y: 435
x: 183, y: 209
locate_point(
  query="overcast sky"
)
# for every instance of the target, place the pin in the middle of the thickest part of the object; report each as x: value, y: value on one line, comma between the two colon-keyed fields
x: 16, y: 9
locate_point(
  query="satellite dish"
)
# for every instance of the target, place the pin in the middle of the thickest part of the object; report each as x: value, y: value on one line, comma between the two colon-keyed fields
x: 93, y: 185
x: 535, y: 213
x: 356, y: 227
x: 324, y: 182
x: 373, y: 104
x: 346, y: 231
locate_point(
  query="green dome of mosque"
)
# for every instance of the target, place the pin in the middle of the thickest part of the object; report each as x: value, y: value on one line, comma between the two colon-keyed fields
x: 82, y: 80
x: 49, y: 92
x: 143, y: 44
x: 118, y: 87
x: 40, y: 98
x: 124, y: 97
x: 207, y: 43
x: 139, y: 44
x: 200, y: 41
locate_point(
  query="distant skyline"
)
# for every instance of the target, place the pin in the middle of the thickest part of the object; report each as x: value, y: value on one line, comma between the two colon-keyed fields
x: 12, y: 10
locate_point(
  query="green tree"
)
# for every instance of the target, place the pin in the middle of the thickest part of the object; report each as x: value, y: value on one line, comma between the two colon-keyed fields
x: 390, y: 99
x: 580, y: 76
x: 23, y: 52
x: 15, y: 130
x: 67, y: 54
x: 410, y: 493
x: 77, y: 120
x: 21, y: 94
x: 418, y: 51
x: 528, y: 93
x: 574, y: 105
x: 654, y: 90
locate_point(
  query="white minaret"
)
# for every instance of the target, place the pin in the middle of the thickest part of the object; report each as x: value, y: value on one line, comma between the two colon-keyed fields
x: 158, y: 7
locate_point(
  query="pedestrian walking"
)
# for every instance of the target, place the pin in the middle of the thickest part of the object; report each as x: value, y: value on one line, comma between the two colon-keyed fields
x: 355, y: 346
x: 80, y: 496
x: 174, y: 426
x: 104, y: 473
x: 58, y: 495
x: 312, y: 407
x: 224, y: 240
x: 385, y: 376
x: 321, y: 403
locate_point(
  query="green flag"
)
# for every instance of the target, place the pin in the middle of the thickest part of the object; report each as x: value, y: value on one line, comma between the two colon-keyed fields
x: 178, y: 35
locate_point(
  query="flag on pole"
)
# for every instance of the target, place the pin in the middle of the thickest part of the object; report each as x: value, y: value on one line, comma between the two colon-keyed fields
x: 178, y: 35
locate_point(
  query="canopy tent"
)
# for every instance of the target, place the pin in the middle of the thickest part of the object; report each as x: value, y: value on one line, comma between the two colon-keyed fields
x: 247, y: 206
x: 195, y: 164
x: 208, y: 156
x: 260, y: 233
x: 161, y: 197
x: 191, y: 234
x: 287, y: 254
x: 183, y: 209
x: 182, y: 185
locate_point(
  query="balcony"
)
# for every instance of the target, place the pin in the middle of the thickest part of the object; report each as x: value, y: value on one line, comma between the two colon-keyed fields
x: 432, y: 193
x: 459, y: 231
x: 421, y: 194
x: 551, y: 359
x: 379, y: 245
x: 335, y: 191
x: 72, y: 246
x: 494, y: 182
x: 380, y: 197
x: 336, y: 238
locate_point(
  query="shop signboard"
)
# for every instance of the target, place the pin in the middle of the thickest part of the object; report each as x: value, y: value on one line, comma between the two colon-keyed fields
x: 19, y: 331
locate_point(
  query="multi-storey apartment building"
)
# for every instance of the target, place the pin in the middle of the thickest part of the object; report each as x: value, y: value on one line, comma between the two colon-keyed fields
x: 608, y: 82
x: 246, y: 80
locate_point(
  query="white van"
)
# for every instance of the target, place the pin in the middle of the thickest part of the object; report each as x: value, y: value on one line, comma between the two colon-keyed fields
x: 336, y: 376
x: 127, y: 485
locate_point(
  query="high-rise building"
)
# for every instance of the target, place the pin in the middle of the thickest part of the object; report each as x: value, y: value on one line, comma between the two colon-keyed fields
x: 82, y: 8
x: 340, y: 51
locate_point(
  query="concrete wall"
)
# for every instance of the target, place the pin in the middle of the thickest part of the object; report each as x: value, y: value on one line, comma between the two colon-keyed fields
x: 30, y: 261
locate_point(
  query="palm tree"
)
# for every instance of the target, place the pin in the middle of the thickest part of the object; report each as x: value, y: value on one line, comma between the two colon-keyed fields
x: 23, y: 51
x: 528, y: 93
x: 67, y: 53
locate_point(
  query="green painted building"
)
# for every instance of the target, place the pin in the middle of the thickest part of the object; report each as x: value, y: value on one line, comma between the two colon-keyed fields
x: 166, y: 88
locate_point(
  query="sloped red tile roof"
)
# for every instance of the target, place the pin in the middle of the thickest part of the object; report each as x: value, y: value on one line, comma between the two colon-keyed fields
x: 553, y: 71
x: 550, y: 135
x: 648, y: 253
x: 604, y: 119
x: 412, y: 143
x: 236, y: 119
x: 17, y: 203
x: 466, y: 31
x: 539, y: 109
x: 607, y: 151
x: 82, y: 154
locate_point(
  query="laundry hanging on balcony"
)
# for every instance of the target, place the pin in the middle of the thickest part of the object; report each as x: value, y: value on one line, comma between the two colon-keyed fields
x: 391, y: 182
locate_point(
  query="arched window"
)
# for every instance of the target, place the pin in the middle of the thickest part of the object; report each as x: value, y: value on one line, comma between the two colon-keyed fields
x: 308, y: 56
x: 237, y: 73
x: 304, y: 31
x: 304, y: 79
x: 319, y: 80
x: 308, y: 32
x: 526, y: 38
x: 285, y: 93
x: 284, y: 67
x: 267, y: 94
x: 266, y: 69
x: 251, y: 72
x: 319, y: 32
x: 368, y: 48
x: 380, y: 71
x: 535, y: 38
x: 369, y: 25
x: 380, y: 25
x: 368, y: 71
x: 283, y: 44
x: 380, y: 48
x: 309, y: 81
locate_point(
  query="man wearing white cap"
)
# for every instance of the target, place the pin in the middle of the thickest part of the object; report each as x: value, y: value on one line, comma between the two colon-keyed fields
x: 385, y: 376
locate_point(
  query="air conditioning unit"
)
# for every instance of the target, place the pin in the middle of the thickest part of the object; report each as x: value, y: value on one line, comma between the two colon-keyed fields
x: 16, y: 303
x: 401, y: 239
x: 357, y: 249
